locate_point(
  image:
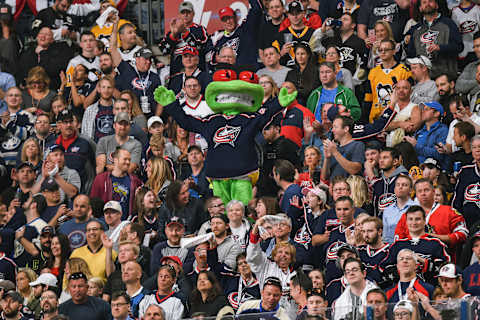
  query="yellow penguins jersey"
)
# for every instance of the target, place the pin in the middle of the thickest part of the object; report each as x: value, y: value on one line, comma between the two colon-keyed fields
x: 92, y: 65
x: 380, y: 87
x: 103, y: 33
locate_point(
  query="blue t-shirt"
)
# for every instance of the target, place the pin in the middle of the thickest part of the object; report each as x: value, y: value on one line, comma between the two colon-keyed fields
x: 49, y: 213
x: 327, y: 96
x: 121, y: 193
x: 353, y: 151
x: 76, y: 232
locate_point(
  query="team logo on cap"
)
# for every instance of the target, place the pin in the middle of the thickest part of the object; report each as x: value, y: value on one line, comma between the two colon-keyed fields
x: 472, y: 193
x: 227, y: 134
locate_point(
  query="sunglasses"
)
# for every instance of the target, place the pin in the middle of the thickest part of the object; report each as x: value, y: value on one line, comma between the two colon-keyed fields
x: 77, y: 276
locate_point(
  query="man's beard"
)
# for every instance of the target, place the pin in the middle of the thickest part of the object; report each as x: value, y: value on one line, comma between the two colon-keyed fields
x: 107, y: 70
x: 52, y: 309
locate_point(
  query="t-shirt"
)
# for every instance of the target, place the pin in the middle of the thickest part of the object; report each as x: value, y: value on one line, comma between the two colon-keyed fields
x: 76, y: 232
x: 93, y: 309
x: 103, y: 122
x: 352, y: 151
x: 121, y: 193
x: 278, y: 76
x: 108, y: 144
x: 327, y: 96
x: 49, y: 213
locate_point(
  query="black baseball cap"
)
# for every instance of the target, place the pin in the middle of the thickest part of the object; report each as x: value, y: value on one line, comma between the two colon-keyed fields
x: 25, y: 164
x: 49, y: 184
x: 65, y: 115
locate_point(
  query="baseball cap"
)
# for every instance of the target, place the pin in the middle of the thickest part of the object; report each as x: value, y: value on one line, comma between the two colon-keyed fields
x: 295, y: 6
x: 122, y: 116
x: 226, y: 12
x: 450, y: 270
x: 432, y: 162
x: 185, y: 5
x: 46, y: 279
x: 15, y: 296
x: 347, y: 247
x: 55, y: 147
x: 7, y: 285
x: 190, y: 50
x: 404, y: 304
x: 65, y: 115
x: 5, y: 12
x: 144, y: 52
x: 332, y: 113
x: 154, y: 119
x: 49, y: 185
x: 194, y: 147
x: 48, y: 229
x: 420, y: 60
x: 25, y: 164
x: 113, y: 205
x: 175, y: 220
x: 434, y: 105
x: 274, y: 281
x: 173, y: 258
x: 319, y: 193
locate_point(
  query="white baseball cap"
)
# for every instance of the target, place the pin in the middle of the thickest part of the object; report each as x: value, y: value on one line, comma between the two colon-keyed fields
x: 154, y: 119
x: 420, y: 60
x: 46, y: 279
x: 114, y: 205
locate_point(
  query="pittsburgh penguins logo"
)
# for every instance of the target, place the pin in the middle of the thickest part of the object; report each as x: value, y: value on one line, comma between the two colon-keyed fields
x: 383, y: 93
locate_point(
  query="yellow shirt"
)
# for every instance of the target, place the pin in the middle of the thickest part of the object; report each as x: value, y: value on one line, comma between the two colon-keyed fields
x: 381, y: 86
x: 103, y: 34
x: 95, y: 261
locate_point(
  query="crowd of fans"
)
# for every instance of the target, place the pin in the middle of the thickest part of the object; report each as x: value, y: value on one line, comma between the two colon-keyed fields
x: 368, y: 191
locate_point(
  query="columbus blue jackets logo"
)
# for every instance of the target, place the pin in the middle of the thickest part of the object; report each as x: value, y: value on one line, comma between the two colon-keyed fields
x: 386, y: 200
x: 11, y: 143
x: 227, y: 134
x: 429, y: 37
x: 139, y: 84
x: 467, y: 26
x: 472, y: 193
x: 303, y: 237
x: 332, y: 250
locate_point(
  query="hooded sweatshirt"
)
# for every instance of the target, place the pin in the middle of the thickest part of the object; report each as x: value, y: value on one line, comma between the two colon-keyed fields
x: 383, y: 190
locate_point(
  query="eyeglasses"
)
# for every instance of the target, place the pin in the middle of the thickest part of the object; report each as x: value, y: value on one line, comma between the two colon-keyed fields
x: 403, y: 314
x: 353, y: 270
x: 118, y: 305
x: 42, y: 122
x: 383, y: 50
x: 48, y: 297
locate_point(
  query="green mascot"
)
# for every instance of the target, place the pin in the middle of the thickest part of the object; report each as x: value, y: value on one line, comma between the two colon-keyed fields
x: 236, y: 99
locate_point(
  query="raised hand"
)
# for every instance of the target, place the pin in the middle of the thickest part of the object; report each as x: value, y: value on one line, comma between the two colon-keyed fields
x: 163, y: 96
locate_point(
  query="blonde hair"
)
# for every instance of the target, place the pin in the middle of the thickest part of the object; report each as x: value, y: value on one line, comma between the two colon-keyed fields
x: 38, y: 74
x: 387, y: 27
x: 287, y: 245
x: 76, y: 265
x: 359, y: 188
x: 97, y: 282
x: 135, y: 111
x: 161, y: 172
x: 31, y: 276
x: 23, y: 156
x: 275, y: 88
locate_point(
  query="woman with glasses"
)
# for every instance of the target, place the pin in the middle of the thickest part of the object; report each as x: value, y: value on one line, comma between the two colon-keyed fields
x: 270, y: 88
x: 165, y: 296
x: 37, y: 97
x: 304, y: 75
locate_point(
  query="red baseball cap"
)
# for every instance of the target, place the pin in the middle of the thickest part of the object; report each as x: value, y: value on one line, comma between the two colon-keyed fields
x: 190, y: 50
x: 226, y: 12
x: 173, y: 258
